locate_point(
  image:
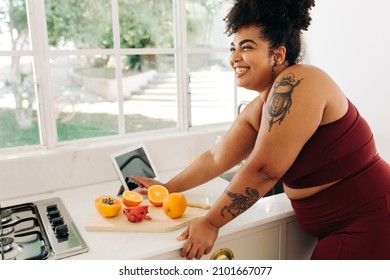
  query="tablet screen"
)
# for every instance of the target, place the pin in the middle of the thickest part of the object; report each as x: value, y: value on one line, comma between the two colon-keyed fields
x: 133, y: 161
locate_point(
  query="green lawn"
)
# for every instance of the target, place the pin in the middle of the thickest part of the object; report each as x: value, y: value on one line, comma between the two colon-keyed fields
x: 82, y: 126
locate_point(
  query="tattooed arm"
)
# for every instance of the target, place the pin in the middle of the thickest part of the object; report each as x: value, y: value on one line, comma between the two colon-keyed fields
x: 293, y: 110
x: 281, y: 99
x: 240, y: 202
x: 202, y: 233
x: 246, y: 188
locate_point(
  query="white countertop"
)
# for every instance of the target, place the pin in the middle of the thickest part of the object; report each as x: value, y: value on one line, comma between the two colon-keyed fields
x: 139, y: 245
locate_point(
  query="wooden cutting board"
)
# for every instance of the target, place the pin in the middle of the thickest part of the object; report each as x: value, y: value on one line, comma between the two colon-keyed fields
x: 159, y: 222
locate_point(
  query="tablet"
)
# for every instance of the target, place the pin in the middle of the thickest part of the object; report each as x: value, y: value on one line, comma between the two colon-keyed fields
x: 134, y: 160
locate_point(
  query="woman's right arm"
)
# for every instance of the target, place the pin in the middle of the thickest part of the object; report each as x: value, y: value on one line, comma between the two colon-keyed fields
x: 235, y: 146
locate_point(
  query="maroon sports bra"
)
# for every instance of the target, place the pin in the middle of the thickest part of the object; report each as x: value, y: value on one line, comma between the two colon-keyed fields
x: 335, y: 151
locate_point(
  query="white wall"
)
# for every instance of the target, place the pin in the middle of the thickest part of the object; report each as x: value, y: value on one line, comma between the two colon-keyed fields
x: 351, y: 41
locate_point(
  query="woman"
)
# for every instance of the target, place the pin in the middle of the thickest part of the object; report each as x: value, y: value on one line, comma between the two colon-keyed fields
x: 301, y: 129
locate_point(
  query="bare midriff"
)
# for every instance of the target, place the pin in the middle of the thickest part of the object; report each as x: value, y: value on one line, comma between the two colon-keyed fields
x: 306, y: 192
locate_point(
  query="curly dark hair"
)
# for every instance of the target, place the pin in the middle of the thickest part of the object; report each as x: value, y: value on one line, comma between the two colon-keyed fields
x: 281, y: 22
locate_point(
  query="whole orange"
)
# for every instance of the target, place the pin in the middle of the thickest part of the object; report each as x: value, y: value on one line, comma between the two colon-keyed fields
x: 174, y: 205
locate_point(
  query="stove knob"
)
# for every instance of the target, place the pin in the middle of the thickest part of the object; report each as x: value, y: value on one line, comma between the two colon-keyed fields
x: 57, y: 221
x: 51, y: 207
x: 53, y: 214
x: 61, y: 231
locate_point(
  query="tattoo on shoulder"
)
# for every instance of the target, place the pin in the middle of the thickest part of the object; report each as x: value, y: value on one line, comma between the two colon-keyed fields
x: 281, y: 101
x: 240, y: 202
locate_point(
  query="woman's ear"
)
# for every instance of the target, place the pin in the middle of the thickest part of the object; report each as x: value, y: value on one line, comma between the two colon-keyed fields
x: 280, y: 55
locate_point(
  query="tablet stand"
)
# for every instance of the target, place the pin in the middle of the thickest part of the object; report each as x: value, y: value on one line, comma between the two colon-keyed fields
x: 121, y: 190
x: 130, y: 186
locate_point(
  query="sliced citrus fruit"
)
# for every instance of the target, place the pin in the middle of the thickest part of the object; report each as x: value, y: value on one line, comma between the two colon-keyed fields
x: 157, y: 194
x: 174, y: 205
x: 131, y: 198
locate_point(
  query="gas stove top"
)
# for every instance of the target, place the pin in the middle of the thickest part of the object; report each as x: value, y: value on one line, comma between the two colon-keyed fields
x: 38, y: 231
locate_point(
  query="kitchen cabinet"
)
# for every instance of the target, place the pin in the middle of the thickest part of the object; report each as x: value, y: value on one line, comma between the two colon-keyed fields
x: 279, y: 240
x: 299, y: 245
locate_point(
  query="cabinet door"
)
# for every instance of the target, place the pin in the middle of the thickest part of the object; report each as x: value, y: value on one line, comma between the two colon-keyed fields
x: 257, y: 243
x: 299, y: 245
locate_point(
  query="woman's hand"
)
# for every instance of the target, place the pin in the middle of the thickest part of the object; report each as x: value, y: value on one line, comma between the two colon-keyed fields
x: 200, y: 236
x: 144, y: 182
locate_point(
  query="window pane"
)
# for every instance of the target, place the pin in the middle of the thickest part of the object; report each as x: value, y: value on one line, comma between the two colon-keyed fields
x: 205, y: 25
x: 18, y: 115
x: 146, y: 24
x: 212, y: 89
x: 85, y: 96
x: 86, y: 93
x: 14, y: 33
x: 79, y: 24
x: 150, y: 94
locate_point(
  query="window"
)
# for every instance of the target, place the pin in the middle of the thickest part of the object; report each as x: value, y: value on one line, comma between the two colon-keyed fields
x: 211, y: 80
x: 17, y: 92
x: 84, y: 69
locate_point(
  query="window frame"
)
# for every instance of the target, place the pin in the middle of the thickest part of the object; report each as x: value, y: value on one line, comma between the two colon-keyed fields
x: 41, y: 60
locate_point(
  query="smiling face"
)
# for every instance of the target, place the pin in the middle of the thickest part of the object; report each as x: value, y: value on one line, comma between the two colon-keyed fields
x: 251, y: 59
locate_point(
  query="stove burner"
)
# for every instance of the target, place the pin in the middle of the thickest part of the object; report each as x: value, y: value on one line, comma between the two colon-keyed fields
x: 6, y: 244
x: 5, y: 216
x: 8, y: 249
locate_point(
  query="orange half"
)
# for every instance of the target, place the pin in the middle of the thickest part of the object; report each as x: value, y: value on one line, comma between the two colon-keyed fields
x: 131, y: 198
x: 157, y: 194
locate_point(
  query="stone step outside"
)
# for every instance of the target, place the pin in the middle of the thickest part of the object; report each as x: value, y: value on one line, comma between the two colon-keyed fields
x: 203, y: 86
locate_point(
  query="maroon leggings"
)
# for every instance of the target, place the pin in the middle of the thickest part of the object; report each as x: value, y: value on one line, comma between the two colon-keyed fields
x: 352, y: 218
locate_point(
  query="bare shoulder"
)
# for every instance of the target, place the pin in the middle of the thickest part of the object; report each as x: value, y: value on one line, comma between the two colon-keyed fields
x: 309, y: 86
x: 307, y: 70
x: 317, y: 89
x: 315, y: 79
